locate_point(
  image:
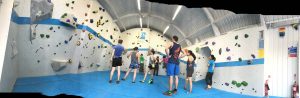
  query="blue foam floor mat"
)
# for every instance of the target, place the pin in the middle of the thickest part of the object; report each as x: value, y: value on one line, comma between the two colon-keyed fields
x: 95, y: 85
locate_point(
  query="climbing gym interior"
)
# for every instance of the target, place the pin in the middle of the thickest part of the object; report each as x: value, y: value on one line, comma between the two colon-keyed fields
x: 56, y: 47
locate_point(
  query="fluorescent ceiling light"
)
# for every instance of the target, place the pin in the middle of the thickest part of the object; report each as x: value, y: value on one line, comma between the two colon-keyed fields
x: 139, y: 4
x: 176, y: 12
x: 141, y: 23
x: 166, y: 29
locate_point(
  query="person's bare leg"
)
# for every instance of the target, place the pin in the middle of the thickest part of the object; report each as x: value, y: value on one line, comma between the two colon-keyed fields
x: 112, y: 73
x: 191, y: 84
x: 176, y: 82
x: 146, y: 72
x: 127, y: 73
x: 134, y: 74
x: 119, y: 73
x: 170, y: 83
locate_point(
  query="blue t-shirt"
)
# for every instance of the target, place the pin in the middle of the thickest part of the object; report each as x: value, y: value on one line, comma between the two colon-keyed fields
x: 211, y: 65
x: 118, y: 50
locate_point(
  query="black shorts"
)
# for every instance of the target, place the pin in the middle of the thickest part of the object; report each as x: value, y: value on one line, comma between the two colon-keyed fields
x: 150, y: 67
x: 117, y: 62
x: 189, y: 71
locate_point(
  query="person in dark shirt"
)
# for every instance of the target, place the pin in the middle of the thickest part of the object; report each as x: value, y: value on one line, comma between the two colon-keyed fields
x: 116, y: 60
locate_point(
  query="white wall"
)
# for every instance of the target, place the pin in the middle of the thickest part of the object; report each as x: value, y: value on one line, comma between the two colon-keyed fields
x: 278, y: 64
x: 252, y: 74
x: 7, y: 74
x: 84, y: 53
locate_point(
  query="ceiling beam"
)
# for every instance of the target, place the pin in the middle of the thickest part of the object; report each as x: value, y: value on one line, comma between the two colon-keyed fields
x: 215, y: 21
x: 155, y: 16
x: 113, y: 10
x: 149, y: 11
x: 211, y: 19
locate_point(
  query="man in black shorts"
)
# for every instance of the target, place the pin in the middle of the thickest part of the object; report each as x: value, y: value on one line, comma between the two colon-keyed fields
x: 116, y: 60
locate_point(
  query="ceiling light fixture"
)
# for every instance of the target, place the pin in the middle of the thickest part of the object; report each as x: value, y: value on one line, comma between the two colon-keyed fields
x: 139, y: 4
x: 177, y: 11
x: 166, y: 29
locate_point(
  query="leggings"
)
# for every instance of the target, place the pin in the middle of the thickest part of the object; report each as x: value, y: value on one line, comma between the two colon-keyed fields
x: 156, y: 70
x: 208, y: 78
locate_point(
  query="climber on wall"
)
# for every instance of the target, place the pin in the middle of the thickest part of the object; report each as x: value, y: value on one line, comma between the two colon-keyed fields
x: 116, y: 60
x: 173, y: 51
x: 210, y: 72
x: 135, y: 61
x: 151, y: 67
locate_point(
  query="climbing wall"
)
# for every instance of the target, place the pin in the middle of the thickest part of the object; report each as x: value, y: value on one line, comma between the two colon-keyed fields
x: 80, y: 32
x: 280, y: 63
x: 239, y: 68
x: 144, y: 39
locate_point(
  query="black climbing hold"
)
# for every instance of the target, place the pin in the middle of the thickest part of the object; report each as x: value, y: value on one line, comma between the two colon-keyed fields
x: 103, y: 10
x: 38, y: 61
x: 246, y: 35
x: 213, y: 43
x: 239, y: 45
x: 59, y: 43
x: 101, y: 17
x: 66, y: 42
x: 220, y: 51
x: 236, y: 44
x: 48, y: 45
x: 53, y: 31
x: 106, y: 21
x: 240, y: 59
x: 70, y: 38
x: 73, y: 2
x: 253, y: 56
x: 227, y: 49
x: 47, y: 36
x: 249, y: 62
x: 54, y: 53
x: 99, y: 46
x: 111, y: 37
x: 228, y: 58
x: 67, y: 4
x: 100, y: 8
x: 91, y: 21
x: 236, y: 37
x: 165, y: 40
x: 65, y: 51
x: 106, y: 30
x: 58, y: 27
x: 42, y: 35
x: 206, y: 43
x: 56, y: 45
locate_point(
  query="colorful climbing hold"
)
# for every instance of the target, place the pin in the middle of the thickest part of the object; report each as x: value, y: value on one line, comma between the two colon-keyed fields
x: 244, y: 83
x: 238, y: 84
x: 66, y: 42
x: 233, y: 82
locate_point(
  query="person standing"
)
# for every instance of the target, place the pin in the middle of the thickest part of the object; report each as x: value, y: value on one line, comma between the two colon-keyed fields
x: 134, y: 64
x: 210, y: 72
x: 156, y: 66
x: 116, y: 60
x: 151, y: 67
x: 190, y: 70
x: 141, y: 69
x: 173, y: 51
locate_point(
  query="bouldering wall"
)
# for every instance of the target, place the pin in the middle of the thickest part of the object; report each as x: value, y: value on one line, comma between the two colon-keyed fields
x: 8, y: 51
x: 144, y: 39
x: 81, y: 47
x: 238, y: 69
x: 281, y: 60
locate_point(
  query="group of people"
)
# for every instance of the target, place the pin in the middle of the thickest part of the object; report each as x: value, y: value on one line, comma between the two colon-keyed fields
x: 170, y: 62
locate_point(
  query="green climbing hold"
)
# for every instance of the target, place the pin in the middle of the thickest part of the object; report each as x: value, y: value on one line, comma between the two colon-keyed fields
x: 238, y: 85
x: 233, y: 82
x: 197, y: 49
x: 244, y: 83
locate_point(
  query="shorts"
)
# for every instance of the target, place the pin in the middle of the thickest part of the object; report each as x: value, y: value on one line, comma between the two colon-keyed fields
x: 172, y: 69
x: 150, y: 66
x: 117, y: 62
x: 189, y: 71
x: 133, y: 66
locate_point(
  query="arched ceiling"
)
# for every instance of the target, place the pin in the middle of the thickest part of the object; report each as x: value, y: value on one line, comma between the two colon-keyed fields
x: 190, y: 24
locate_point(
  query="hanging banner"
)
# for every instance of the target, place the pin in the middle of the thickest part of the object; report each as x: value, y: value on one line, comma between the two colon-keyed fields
x: 292, y: 51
